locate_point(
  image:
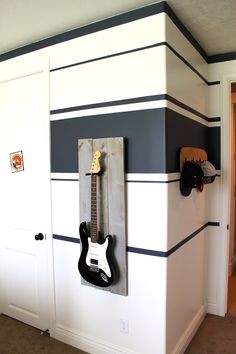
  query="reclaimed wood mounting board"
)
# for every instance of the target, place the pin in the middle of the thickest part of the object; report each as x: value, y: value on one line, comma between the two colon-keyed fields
x: 111, y: 200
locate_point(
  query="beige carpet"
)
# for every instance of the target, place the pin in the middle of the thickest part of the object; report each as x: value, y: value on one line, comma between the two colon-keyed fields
x: 216, y: 335
x: 19, y: 338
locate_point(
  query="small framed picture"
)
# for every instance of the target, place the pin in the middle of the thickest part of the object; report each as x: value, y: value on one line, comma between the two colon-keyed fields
x: 17, y: 161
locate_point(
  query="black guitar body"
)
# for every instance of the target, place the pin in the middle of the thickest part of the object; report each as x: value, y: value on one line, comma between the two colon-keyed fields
x: 95, y: 264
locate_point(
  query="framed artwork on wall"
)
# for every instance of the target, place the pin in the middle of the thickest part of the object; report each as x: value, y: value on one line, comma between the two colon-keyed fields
x: 17, y: 161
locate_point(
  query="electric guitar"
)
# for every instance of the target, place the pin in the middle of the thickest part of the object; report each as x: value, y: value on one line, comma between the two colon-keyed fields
x: 95, y: 264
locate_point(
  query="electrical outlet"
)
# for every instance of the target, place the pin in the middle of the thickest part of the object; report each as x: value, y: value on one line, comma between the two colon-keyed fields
x: 124, y: 326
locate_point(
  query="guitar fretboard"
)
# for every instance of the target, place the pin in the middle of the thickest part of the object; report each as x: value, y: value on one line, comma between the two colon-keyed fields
x: 93, y: 225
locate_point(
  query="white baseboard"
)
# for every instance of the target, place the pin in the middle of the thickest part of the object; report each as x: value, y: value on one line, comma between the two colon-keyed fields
x: 189, y: 333
x: 212, y: 309
x: 87, y: 343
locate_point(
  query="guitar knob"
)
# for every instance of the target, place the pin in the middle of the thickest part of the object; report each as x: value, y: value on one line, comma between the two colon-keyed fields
x: 39, y: 237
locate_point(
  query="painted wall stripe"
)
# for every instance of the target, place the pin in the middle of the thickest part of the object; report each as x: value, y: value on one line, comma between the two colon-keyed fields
x: 129, y: 177
x: 88, y: 29
x: 211, y: 83
x: 187, y: 63
x: 65, y: 180
x: 110, y: 103
x: 109, y: 56
x: 66, y: 238
x: 136, y: 50
x: 140, y: 129
x: 133, y: 100
x: 214, y: 119
x: 116, y: 21
x: 141, y: 181
x: 145, y: 251
x: 218, y: 58
x: 145, y: 132
x: 184, y: 31
x: 129, y: 181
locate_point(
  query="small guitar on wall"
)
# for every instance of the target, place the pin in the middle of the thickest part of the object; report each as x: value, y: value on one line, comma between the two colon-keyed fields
x: 95, y: 264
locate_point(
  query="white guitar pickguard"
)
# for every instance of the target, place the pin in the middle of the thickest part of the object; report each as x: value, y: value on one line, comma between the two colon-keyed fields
x: 98, y: 252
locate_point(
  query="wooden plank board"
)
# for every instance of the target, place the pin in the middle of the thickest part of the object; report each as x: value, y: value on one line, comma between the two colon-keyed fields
x: 110, y: 198
x: 192, y: 154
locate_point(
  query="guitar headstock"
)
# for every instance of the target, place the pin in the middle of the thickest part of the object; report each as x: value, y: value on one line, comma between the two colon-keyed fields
x: 96, y: 167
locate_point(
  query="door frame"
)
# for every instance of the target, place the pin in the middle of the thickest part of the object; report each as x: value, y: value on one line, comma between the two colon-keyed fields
x: 225, y: 188
x: 17, y: 68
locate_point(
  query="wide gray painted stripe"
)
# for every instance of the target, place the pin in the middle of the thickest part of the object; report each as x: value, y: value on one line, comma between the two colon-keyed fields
x: 149, y: 252
x: 144, y: 133
x: 151, y: 140
x: 214, y: 144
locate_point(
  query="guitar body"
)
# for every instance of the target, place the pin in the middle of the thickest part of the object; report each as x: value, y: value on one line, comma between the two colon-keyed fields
x: 95, y: 264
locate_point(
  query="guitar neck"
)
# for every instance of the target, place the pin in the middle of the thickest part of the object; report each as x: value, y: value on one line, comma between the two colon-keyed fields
x: 93, y: 225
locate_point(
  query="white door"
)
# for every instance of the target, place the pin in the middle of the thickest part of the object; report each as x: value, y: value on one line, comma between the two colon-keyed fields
x: 25, y: 195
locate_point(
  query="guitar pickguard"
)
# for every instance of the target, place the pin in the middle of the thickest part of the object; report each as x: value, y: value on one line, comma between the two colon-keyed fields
x: 95, y: 264
x: 96, y: 257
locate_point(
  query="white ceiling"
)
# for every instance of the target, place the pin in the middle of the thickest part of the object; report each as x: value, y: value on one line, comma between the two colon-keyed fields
x: 211, y: 22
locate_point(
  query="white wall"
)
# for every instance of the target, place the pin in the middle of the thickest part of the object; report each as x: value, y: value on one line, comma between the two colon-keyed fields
x: 126, y: 62
x: 186, y: 268
x: 219, y: 194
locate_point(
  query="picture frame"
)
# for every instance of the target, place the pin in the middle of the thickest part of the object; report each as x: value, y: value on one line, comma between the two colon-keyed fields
x: 17, y: 161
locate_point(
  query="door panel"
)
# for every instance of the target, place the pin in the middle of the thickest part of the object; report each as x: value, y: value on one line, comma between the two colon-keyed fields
x: 25, y: 201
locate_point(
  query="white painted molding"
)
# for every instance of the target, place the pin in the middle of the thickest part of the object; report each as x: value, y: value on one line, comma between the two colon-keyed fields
x: 212, y: 309
x: 223, y: 260
x: 189, y: 333
x: 87, y: 343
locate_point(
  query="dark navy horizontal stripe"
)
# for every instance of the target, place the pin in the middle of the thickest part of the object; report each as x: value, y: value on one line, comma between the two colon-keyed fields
x: 65, y: 179
x: 213, y: 147
x: 131, y: 101
x: 183, y: 29
x: 211, y: 83
x: 145, y: 251
x: 218, y: 58
x: 66, y: 238
x: 109, y: 56
x: 143, y: 130
x: 110, y: 103
x: 182, y: 131
x: 141, y: 181
x: 116, y: 21
x: 187, y: 63
x: 137, y: 50
x: 88, y: 29
x: 126, y: 181
x: 152, y: 143
x: 213, y: 223
x: 214, y: 119
x: 186, y: 107
x: 105, y: 24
